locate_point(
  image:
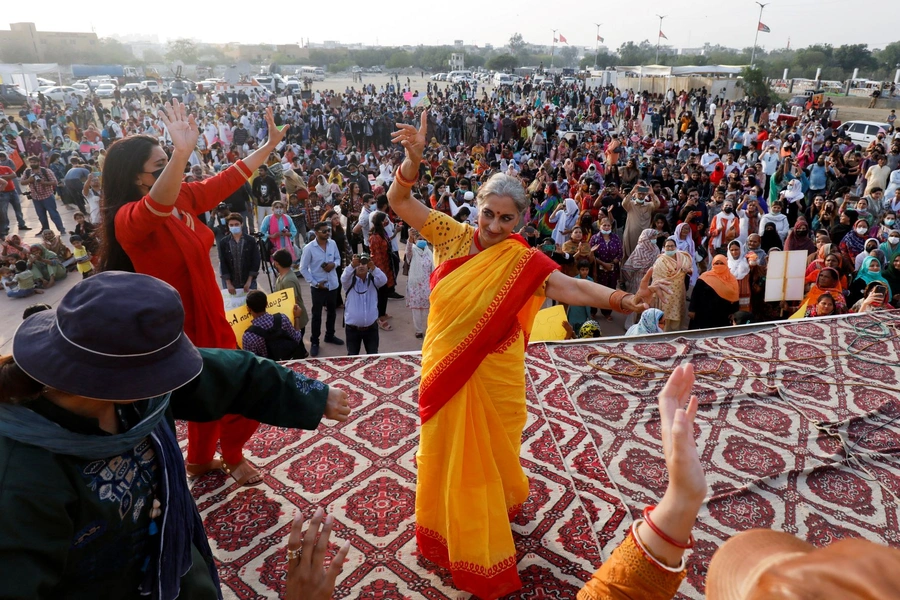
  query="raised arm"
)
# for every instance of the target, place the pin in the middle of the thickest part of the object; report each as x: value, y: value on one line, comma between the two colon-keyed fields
x: 581, y: 292
x: 413, y: 212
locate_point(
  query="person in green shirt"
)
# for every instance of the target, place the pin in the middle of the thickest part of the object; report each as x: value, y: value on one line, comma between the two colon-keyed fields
x: 288, y: 279
x: 93, y: 489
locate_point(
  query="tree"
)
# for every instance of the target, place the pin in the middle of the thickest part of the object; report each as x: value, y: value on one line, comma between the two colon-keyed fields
x: 399, y: 60
x: 152, y: 56
x: 503, y: 62
x: 517, y: 44
x: 568, y: 54
x: 182, y: 49
x: 754, y: 83
x: 852, y: 56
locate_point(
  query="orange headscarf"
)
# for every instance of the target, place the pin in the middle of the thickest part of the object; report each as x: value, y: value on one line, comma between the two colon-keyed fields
x: 721, y: 280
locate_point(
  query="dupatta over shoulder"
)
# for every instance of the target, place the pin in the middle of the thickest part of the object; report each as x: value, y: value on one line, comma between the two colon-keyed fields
x: 472, y: 406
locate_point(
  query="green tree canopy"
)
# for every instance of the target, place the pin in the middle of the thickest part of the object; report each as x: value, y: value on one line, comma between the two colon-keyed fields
x: 503, y: 62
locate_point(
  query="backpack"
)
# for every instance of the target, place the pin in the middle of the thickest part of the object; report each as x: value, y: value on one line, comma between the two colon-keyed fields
x: 279, y: 343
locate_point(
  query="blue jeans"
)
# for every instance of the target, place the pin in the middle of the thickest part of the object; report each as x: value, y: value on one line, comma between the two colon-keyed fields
x: 7, y: 198
x: 17, y: 293
x: 45, y: 207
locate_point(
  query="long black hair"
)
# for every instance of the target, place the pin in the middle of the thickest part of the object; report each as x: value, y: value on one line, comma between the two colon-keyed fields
x: 124, y: 162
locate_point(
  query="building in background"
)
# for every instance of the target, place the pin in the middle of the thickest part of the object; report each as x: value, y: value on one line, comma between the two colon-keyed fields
x: 24, y: 43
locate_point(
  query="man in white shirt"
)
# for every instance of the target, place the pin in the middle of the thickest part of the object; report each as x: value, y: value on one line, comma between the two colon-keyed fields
x: 770, y: 161
x: 708, y: 160
x: 468, y: 198
x: 317, y: 265
x: 361, y: 281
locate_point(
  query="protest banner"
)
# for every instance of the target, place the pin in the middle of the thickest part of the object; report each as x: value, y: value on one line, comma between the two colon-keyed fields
x: 277, y: 302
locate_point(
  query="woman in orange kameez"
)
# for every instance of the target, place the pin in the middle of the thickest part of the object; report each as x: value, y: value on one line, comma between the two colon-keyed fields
x: 487, y: 287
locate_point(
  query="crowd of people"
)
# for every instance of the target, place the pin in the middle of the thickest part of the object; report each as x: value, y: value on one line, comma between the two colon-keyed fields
x: 666, y: 208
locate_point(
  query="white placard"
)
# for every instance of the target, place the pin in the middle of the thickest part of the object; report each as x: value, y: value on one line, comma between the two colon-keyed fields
x: 786, y: 275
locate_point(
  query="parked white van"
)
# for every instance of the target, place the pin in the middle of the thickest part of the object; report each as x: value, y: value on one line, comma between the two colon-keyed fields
x: 457, y: 76
x: 503, y: 79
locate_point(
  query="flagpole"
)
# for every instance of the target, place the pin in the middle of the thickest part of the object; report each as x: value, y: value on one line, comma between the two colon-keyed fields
x: 553, y: 49
x: 597, y: 42
x: 758, y: 21
x: 659, y: 36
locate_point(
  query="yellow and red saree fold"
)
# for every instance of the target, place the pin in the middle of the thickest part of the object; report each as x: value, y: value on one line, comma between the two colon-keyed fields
x: 472, y: 405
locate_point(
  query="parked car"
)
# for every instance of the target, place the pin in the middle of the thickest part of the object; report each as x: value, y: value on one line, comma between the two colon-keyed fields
x: 132, y: 87
x: 105, y: 90
x: 40, y: 90
x: 151, y: 85
x: 81, y: 86
x: 11, y: 95
x: 503, y: 79
x: 568, y: 81
x: 863, y: 132
x: 179, y: 88
x: 438, y: 76
x: 60, y: 92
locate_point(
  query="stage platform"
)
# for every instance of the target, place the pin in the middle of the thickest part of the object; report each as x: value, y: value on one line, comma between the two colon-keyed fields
x: 798, y: 428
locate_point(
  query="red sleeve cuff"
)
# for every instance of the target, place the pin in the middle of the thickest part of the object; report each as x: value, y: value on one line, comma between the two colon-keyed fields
x: 157, y: 209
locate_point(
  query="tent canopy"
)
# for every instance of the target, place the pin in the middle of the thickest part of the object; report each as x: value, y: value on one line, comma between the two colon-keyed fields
x: 664, y: 71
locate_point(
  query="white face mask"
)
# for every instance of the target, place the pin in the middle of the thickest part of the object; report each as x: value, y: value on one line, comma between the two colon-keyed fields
x: 862, y: 230
x: 894, y: 240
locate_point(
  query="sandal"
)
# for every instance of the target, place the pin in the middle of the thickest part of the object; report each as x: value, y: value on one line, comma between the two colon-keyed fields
x: 196, y: 470
x: 243, y: 473
x: 385, y: 326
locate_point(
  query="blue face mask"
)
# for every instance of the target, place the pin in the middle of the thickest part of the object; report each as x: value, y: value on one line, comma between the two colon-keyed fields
x: 422, y: 244
x: 236, y: 229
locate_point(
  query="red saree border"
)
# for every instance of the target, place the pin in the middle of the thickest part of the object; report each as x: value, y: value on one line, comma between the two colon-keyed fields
x: 486, y: 583
x: 496, y: 325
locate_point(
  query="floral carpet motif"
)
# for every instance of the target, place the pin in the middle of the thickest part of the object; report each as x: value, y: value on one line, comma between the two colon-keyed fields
x: 794, y: 433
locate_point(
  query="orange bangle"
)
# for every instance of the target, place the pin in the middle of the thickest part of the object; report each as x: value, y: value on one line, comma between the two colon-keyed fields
x: 399, y: 178
x: 615, y: 302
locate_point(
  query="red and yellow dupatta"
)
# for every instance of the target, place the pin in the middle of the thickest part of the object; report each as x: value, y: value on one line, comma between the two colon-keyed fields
x: 472, y: 405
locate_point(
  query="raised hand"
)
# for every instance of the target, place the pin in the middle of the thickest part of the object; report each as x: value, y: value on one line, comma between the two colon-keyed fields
x: 412, y: 139
x: 182, y: 127
x: 307, y: 579
x: 677, y: 409
x: 644, y: 297
x: 275, y: 136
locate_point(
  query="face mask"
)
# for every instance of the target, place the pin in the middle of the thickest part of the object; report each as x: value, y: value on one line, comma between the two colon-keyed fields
x: 894, y: 240
x: 889, y: 222
x: 862, y: 230
x: 670, y: 253
x: 728, y: 210
x: 278, y: 211
x: 802, y: 232
x: 157, y: 173
x: 422, y: 244
x: 606, y: 231
x: 236, y: 229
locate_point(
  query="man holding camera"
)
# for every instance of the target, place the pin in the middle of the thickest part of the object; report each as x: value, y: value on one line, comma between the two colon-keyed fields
x: 42, y: 183
x: 361, y: 282
x: 317, y: 265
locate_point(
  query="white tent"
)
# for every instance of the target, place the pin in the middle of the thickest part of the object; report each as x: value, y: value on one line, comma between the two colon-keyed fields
x: 664, y: 71
x: 25, y: 74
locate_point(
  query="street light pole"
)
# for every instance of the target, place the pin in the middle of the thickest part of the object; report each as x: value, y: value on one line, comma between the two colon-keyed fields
x: 597, y: 51
x: 756, y: 37
x: 659, y: 35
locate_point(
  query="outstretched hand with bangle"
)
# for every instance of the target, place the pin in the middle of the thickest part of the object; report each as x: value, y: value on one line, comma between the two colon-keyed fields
x: 674, y: 517
x: 413, y: 141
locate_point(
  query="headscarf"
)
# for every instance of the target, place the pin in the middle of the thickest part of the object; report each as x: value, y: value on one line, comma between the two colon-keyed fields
x: 795, y: 242
x: 889, y: 251
x: 770, y: 238
x: 649, y: 323
x: 840, y: 303
x: 720, y: 279
x: 10, y: 248
x: 871, y: 277
x: 568, y: 220
x: 739, y: 266
x: 688, y: 247
x: 645, y: 252
x: 855, y: 242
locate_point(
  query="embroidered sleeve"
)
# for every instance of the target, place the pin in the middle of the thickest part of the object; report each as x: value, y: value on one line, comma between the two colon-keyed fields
x: 449, y: 238
x: 629, y: 574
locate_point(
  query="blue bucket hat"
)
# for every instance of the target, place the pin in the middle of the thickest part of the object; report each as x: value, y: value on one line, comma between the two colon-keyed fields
x: 114, y: 336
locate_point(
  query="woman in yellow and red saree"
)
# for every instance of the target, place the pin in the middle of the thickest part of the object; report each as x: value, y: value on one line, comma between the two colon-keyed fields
x: 486, y: 289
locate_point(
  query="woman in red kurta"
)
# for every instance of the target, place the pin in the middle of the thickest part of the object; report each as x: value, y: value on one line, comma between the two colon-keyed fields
x: 150, y: 226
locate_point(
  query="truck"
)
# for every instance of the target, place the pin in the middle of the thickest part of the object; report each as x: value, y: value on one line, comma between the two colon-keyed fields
x: 121, y: 73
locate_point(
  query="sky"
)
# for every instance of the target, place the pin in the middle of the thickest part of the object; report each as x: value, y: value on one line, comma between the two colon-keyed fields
x: 688, y: 23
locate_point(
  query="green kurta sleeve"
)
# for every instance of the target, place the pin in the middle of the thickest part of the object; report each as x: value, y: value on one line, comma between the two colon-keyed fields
x: 241, y: 383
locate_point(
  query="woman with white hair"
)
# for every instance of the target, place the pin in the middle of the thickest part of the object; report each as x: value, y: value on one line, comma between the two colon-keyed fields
x: 488, y: 285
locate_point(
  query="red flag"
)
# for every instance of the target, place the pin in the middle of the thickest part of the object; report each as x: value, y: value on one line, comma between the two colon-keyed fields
x: 662, y: 35
x: 763, y: 27
x: 562, y: 39
x: 599, y: 39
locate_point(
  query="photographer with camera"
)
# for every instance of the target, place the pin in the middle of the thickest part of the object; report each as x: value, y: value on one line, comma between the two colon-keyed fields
x: 42, y: 187
x: 640, y: 205
x: 361, y: 283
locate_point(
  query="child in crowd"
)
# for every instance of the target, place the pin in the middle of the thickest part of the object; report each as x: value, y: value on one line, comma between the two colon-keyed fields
x: 579, y: 315
x: 82, y: 257
x: 20, y: 284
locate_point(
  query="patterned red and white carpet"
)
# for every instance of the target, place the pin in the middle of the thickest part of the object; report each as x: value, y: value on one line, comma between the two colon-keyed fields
x: 818, y: 456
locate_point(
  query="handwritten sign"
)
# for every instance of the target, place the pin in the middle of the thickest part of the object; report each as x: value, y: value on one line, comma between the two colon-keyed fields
x: 277, y: 302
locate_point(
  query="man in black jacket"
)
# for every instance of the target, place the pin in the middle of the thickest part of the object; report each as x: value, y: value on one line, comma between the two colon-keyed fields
x: 238, y: 257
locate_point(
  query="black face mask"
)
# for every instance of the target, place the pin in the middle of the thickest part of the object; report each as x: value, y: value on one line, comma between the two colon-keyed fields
x: 728, y: 210
x: 802, y: 232
x: 156, y: 173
